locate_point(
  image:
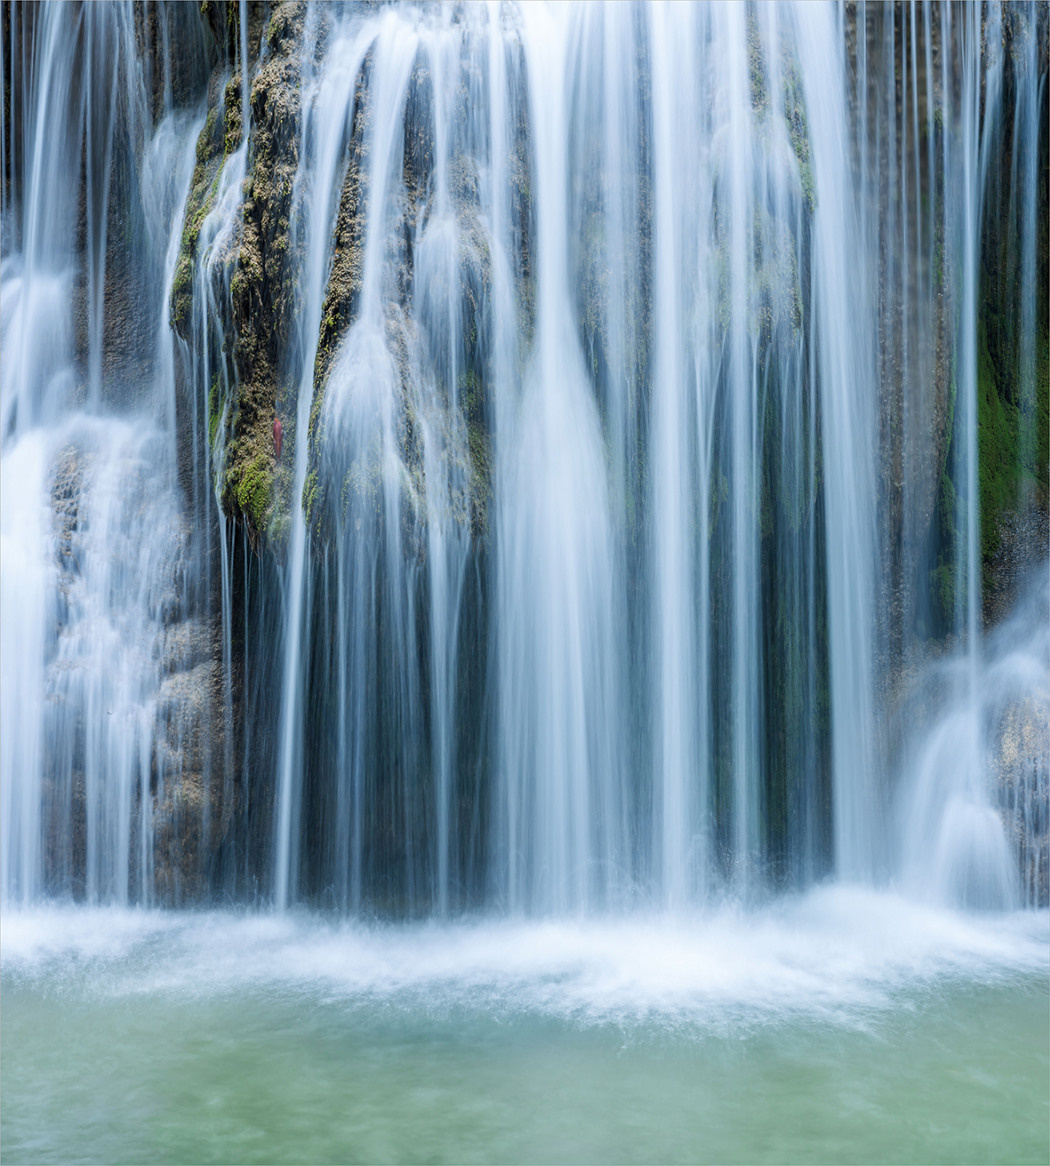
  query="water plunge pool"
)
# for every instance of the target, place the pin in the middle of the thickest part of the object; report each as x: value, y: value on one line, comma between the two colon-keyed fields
x: 843, y: 1025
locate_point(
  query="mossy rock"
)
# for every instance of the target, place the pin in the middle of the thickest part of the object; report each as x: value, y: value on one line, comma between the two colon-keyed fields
x: 204, y: 187
x: 1007, y: 465
x: 252, y: 486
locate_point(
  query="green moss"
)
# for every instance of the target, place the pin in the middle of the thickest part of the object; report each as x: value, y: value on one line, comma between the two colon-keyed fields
x: 1000, y: 463
x: 252, y: 485
x: 1041, y: 468
x: 232, y: 118
x: 805, y: 172
x: 310, y: 493
x: 942, y: 591
x: 481, y: 476
x: 214, y: 412
x: 756, y: 68
x: 1010, y: 469
x: 204, y: 190
x: 798, y: 128
x: 207, y: 134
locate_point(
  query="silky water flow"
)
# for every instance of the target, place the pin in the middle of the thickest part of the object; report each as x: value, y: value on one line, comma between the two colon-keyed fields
x: 611, y: 654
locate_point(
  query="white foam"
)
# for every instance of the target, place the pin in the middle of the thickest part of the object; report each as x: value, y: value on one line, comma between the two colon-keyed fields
x: 837, y: 954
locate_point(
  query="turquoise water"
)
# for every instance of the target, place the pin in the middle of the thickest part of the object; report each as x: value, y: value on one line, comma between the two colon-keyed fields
x: 843, y: 1026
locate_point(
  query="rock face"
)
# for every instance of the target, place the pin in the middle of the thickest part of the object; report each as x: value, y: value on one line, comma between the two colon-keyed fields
x: 263, y: 303
x: 245, y: 267
x: 1020, y: 752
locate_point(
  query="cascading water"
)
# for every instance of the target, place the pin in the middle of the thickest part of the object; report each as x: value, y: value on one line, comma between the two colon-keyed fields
x: 976, y: 802
x: 100, y: 697
x: 641, y: 369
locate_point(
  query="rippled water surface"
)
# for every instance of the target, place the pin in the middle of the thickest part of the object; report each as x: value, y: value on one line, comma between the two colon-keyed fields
x: 841, y: 1026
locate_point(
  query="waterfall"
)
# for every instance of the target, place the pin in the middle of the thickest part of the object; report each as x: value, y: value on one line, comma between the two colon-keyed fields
x: 663, y: 392
x: 98, y: 691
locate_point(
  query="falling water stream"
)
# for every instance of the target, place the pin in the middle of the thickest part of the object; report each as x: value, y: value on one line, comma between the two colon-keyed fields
x: 603, y: 730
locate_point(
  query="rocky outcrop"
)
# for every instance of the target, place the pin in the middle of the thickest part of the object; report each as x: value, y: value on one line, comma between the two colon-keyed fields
x: 255, y: 290
x: 257, y: 486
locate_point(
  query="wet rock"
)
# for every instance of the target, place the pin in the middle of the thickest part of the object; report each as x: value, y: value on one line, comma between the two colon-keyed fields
x: 1021, y: 764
